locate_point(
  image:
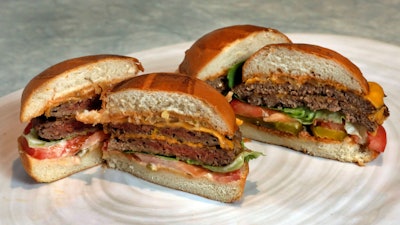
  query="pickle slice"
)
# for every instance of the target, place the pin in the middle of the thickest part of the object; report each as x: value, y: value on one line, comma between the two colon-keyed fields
x: 293, y: 127
x: 289, y: 127
x: 324, y: 132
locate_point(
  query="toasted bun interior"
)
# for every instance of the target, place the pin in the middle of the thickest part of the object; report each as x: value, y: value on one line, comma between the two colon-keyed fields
x: 215, y: 52
x: 302, y: 60
x: 49, y: 170
x: 73, y: 79
x: 202, y: 186
x: 344, y: 151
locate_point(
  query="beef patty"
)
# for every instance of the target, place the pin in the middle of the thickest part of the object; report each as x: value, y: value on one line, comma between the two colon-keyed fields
x: 61, y: 122
x: 220, y: 84
x: 58, y: 128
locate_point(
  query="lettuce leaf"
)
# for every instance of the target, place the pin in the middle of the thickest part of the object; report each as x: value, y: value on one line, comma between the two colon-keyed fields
x: 234, y: 75
x: 357, y: 130
x: 242, y: 158
x: 302, y: 114
x: 306, y: 116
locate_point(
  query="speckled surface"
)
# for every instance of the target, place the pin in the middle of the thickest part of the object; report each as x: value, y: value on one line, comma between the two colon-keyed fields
x: 37, y: 34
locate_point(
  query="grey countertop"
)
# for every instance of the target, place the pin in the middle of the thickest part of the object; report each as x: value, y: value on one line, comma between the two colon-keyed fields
x: 36, y: 34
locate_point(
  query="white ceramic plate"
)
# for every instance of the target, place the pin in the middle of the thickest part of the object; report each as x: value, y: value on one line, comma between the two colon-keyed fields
x: 284, y: 187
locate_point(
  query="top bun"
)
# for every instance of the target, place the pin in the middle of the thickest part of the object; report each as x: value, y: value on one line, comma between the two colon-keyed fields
x: 165, y: 97
x: 74, y: 79
x: 214, y: 53
x: 305, y: 60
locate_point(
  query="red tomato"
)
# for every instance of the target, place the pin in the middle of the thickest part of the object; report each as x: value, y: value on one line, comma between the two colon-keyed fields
x: 252, y: 111
x: 67, y: 148
x: 61, y: 149
x: 41, y: 153
x: 377, y: 142
x: 247, y: 110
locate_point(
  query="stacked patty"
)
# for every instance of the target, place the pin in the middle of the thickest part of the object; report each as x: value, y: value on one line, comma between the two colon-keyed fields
x: 199, y: 147
x: 60, y: 122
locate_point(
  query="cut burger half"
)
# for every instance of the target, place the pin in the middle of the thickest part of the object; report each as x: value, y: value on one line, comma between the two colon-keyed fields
x: 54, y: 144
x: 176, y: 131
x: 311, y: 99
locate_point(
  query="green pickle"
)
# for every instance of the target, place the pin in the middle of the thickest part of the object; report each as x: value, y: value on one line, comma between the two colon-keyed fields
x: 289, y: 127
x: 323, y: 132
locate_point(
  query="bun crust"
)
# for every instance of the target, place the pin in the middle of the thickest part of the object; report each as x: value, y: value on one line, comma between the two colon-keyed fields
x: 345, y: 151
x: 215, y: 52
x: 74, y: 78
x: 224, y: 192
x: 301, y: 60
x: 49, y: 170
x: 153, y: 96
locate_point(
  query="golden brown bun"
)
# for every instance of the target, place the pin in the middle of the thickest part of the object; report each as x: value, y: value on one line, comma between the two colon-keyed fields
x: 202, y: 186
x: 49, y: 170
x: 344, y: 151
x: 151, y: 97
x: 74, y: 79
x: 302, y: 60
x: 215, y: 52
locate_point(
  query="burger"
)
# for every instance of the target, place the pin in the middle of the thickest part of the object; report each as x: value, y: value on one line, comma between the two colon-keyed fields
x: 311, y: 99
x: 176, y: 131
x: 54, y: 144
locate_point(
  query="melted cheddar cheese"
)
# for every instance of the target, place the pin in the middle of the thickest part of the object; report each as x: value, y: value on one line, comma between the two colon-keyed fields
x: 156, y: 136
x: 378, y: 116
x: 223, y: 141
x: 375, y: 95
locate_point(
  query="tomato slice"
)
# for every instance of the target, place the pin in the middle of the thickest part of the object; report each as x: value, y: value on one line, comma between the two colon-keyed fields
x: 70, y: 147
x: 247, y: 110
x: 252, y: 111
x: 377, y: 141
x: 62, y: 149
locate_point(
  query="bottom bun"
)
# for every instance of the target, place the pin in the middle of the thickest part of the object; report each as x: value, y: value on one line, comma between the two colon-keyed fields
x: 49, y: 170
x: 344, y: 151
x: 203, y: 186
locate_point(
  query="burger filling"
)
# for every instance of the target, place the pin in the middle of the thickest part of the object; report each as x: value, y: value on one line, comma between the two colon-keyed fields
x: 306, y: 107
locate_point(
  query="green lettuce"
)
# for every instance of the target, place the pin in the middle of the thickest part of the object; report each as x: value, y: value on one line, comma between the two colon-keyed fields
x: 302, y: 114
x: 243, y: 157
x: 307, y: 116
x: 234, y: 75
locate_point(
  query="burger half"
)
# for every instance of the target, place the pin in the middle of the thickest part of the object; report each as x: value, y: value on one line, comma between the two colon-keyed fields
x: 176, y: 131
x: 311, y: 99
x: 54, y: 144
